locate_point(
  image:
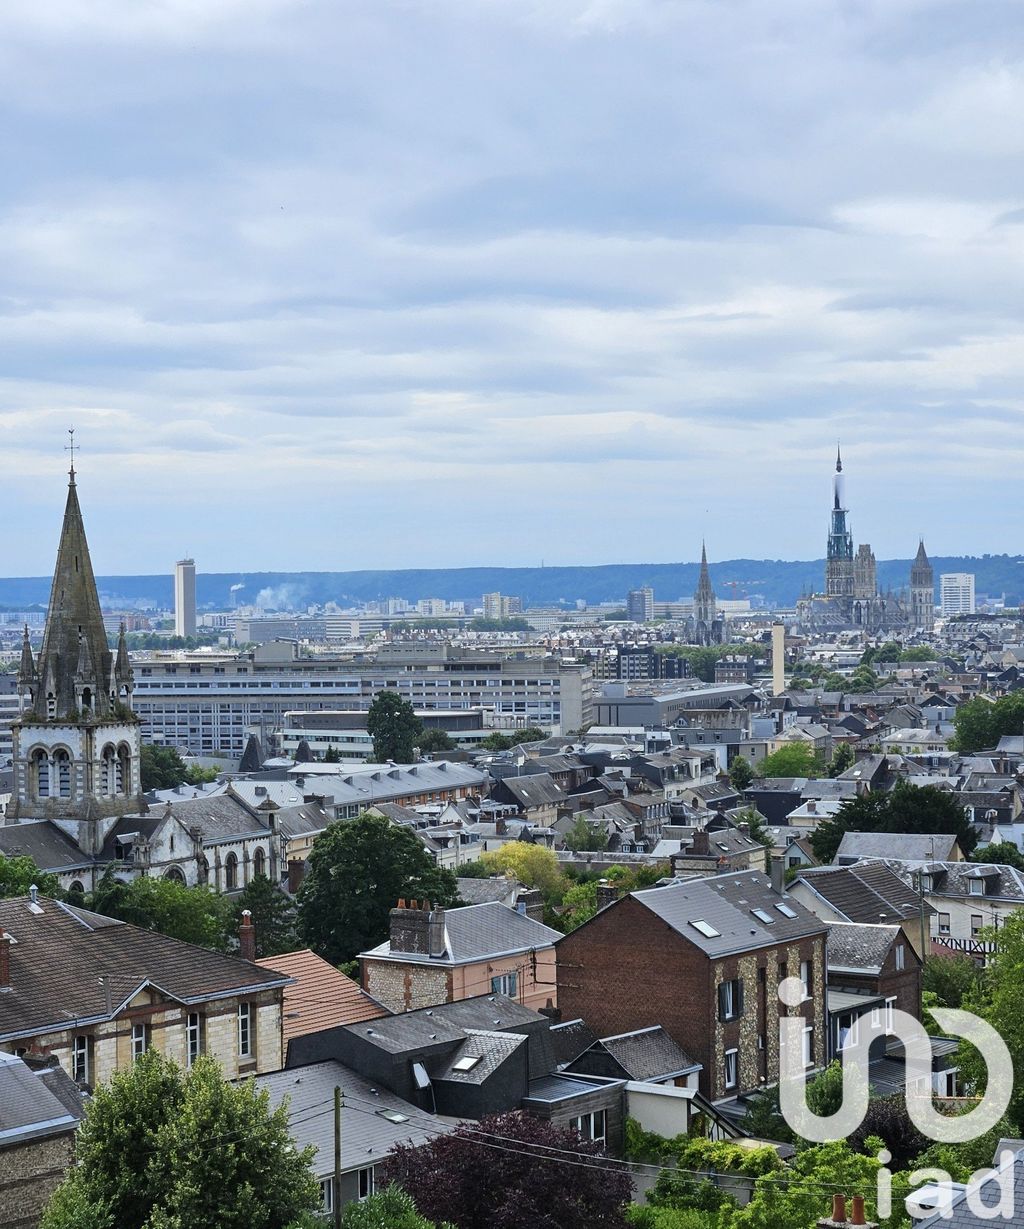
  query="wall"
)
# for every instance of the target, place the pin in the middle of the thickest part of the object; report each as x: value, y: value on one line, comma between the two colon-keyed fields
x: 29, y: 1173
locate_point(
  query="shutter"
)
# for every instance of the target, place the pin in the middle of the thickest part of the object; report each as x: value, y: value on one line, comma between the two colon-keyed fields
x: 721, y: 1002
x: 738, y: 997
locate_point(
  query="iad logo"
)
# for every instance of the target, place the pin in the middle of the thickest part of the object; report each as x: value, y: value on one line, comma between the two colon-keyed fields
x: 933, y: 1125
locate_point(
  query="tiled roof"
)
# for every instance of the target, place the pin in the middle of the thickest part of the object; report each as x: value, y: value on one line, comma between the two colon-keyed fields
x: 988, y: 1194
x: 725, y: 904
x: 321, y: 997
x: 28, y: 1107
x: 69, y: 964
x: 859, y: 946
x: 648, y: 1054
x: 476, y: 932
x: 445, y: 1022
x: 867, y: 892
x: 488, y: 1048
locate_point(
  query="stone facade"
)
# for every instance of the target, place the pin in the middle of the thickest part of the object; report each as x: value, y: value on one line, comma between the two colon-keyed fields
x: 29, y: 1174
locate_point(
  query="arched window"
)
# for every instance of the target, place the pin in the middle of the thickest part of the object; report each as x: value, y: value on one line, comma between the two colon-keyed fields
x: 124, y: 770
x: 86, y: 700
x: 176, y: 874
x: 204, y: 869
x: 40, y: 773
x: 76, y: 888
x: 62, y: 773
x: 230, y: 872
x: 109, y: 771
x: 259, y: 862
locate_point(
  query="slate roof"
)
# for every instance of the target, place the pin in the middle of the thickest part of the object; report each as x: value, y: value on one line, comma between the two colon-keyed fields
x: 570, y: 1040
x: 446, y: 1022
x: 485, y: 891
x: 44, y: 843
x: 648, y: 1054
x: 900, y: 845
x: 477, y: 932
x: 534, y: 791
x: 48, y: 992
x: 366, y: 1136
x: 866, y: 892
x: 321, y: 997
x: 859, y: 947
x: 988, y: 1193
x: 29, y: 1108
x: 488, y: 1047
x: 725, y: 902
x: 1005, y: 882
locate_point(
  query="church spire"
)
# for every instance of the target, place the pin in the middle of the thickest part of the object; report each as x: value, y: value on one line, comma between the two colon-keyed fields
x: 27, y: 669
x: 839, y: 460
x: 75, y: 660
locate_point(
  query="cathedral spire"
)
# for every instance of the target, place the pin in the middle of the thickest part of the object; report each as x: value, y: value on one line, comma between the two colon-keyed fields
x: 27, y: 669
x: 839, y: 460
x: 75, y: 660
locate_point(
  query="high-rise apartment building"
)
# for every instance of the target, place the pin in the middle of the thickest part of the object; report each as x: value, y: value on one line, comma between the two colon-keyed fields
x: 498, y: 606
x: 640, y: 605
x: 185, y: 597
x: 956, y: 593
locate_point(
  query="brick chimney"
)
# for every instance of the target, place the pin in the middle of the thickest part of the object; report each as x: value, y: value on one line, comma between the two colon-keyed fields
x: 5, y: 961
x: 247, y: 937
x: 607, y: 894
x: 410, y: 927
x: 700, y: 843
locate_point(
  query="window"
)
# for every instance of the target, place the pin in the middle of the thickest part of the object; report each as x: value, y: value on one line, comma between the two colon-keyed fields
x: 706, y: 929
x: 943, y: 923
x: 806, y: 977
x: 731, y: 1068
x: 365, y: 1183
x: 505, y: 983
x: 889, y: 1004
x: 80, y: 1056
x: 327, y: 1195
x: 730, y: 999
x: 245, y: 1038
x: 975, y: 887
x: 786, y: 911
x: 140, y: 1040
x: 849, y: 1028
x: 876, y: 1017
x: 763, y: 917
x: 808, y: 1050
x: 193, y: 1037
x: 231, y: 872
x: 591, y: 1127
x: 901, y: 956
x: 977, y: 924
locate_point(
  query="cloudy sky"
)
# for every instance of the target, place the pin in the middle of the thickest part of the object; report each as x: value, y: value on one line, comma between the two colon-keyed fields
x: 325, y: 284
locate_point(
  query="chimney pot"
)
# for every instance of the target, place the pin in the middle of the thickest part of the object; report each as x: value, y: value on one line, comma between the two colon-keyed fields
x: 247, y: 937
x: 5, y: 961
x: 857, y: 1214
x: 839, y: 1209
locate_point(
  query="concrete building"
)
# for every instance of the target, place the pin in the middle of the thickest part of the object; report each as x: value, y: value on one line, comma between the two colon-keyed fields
x: 498, y: 606
x: 640, y: 605
x: 185, y: 597
x: 956, y: 590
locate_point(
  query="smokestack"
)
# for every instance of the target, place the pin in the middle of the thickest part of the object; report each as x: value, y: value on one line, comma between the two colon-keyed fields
x: 778, y: 658
x: 5, y: 961
x: 247, y: 937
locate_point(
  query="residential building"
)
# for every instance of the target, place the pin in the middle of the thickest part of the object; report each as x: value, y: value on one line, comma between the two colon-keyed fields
x: 185, y: 597
x: 902, y: 846
x: 703, y: 958
x: 436, y: 955
x: 498, y: 606
x: 95, y: 992
x: 956, y: 593
x: 872, y: 970
x: 870, y: 892
x: 640, y: 605
x: 646, y: 1054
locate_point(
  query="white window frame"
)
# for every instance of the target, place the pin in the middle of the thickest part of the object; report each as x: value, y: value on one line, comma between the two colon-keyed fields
x: 808, y: 1045
x: 805, y: 978
x: 901, y: 957
x: 735, y: 1065
x: 327, y: 1195
x: 975, y: 887
x: 80, y: 1059
x: 943, y: 925
x: 245, y: 1030
x: 506, y: 984
x: 193, y: 1037
x: 729, y: 1001
x: 876, y: 1017
x: 140, y: 1040
x: 366, y: 1182
x: 889, y: 1005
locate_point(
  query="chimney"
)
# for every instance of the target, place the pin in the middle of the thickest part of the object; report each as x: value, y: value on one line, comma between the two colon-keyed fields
x: 500, y: 827
x: 745, y: 828
x: 777, y: 875
x: 247, y: 937
x: 296, y: 874
x: 700, y: 843
x: 435, y: 934
x: 607, y: 894
x: 5, y: 961
x: 812, y: 806
x: 838, y: 1218
x: 410, y: 928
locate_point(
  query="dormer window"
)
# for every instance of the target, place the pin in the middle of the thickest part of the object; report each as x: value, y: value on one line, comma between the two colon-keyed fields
x: 976, y: 887
x: 926, y: 883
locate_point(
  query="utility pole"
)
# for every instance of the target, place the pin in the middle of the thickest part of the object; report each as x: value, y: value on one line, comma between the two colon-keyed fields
x: 338, y: 1102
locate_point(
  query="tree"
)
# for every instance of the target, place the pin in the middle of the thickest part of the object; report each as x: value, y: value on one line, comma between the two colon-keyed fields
x: 797, y: 759
x: 910, y: 809
x: 464, y: 1178
x: 842, y: 758
x: 534, y: 865
x: 332, y: 755
x: 583, y: 838
x: 18, y: 874
x: 358, y: 871
x: 273, y: 916
x: 952, y: 979
x: 579, y: 904
x: 163, y: 1149
x: 741, y: 774
x: 394, y: 727
x: 434, y: 740
x: 161, y: 767
x: 1003, y: 853
x: 981, y: 722
x: 888, y: 1120
x: 195, y: 915
x: 390, y: 1208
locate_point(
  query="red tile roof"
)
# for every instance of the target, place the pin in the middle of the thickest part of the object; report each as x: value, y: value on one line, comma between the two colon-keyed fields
x: 320, y: 997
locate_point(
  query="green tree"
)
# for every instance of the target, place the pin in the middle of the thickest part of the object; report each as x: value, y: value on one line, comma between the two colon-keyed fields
x: 534, y: 865
x: 981, y: 722
x: 798, y: 759
x: 390, y: 1208
x: 161, y: 767
x: 918, y: 653
x: 394, y: 727
x: 579, y: 904
x: 1002, y: 853
x: 910, y: 809
x: 332, y: 755
x: 195, y: 915
x: 434, y: 740
x: 273, y: 915
x: 358, y: 871
x: 18, y: 874
x: 162, y: 1149
x: 741, y: 774
x: 842, y: 758
x: 952, y: 979
x: 586, y: 838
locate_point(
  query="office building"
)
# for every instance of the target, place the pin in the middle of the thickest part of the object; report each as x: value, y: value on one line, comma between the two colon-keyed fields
x: 956, y: 590
x: 185, y: 597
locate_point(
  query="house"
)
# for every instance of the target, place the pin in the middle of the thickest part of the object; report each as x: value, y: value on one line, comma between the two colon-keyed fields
x: 715, y: 852
x: 467, y: 1059
x: 855, y: 846
x: 870, y: 892
x: 536, y: 797
x: 318, y: 995
x: 996, y: 1196
x: 872, y: 969
x: 373, y: 1121
x: 96, y: 992
x: 703, y: 958
x: 505, y: 891
x: 646, y: 1054
x: 40, y: 1108
x: 439, y: 955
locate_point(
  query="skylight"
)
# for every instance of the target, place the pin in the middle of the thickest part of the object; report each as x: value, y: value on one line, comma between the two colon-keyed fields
x: 763, y: 917
x: 706, y: 929
x: 393, y: 1116
x: 785, y: 911
x: 467, y: 1063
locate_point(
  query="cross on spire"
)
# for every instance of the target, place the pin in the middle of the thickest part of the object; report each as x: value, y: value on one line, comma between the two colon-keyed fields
x: 70, y: 447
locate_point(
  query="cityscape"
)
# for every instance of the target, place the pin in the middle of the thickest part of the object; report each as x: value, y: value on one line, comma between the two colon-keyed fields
x: 461, y: 764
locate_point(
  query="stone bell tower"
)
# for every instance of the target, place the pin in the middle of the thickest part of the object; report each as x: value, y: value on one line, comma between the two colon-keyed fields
x: 76, y: 740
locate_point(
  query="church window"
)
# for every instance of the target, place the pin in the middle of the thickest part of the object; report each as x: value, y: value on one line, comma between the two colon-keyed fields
x: 110, y: 787
x: 231, y: 872
x: 51, y: 705
x: 41, y: 773
x: 259, y: 862
x: 86, y: 699
x: 124, y: 770
x: 62, y: 773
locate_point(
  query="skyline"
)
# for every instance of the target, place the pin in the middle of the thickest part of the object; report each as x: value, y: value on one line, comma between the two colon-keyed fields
x: 322, y: 287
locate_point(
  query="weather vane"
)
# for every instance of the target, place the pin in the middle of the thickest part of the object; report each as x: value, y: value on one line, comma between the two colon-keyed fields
x: 70, y: 447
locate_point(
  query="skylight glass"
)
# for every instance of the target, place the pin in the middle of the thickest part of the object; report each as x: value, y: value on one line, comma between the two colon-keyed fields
x: 763, y: 917
x: 785, y: 911
x: 393, y: 1116
x: 706, y: 929
x: 467, y: 1063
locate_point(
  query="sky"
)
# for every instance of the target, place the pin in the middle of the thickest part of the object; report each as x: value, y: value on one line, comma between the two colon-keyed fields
x: 415, y: 283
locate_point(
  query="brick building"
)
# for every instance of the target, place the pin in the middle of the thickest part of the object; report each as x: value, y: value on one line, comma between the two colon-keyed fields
x: 871, y: 970
x: 703, y: 958
x: 95, y: 992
